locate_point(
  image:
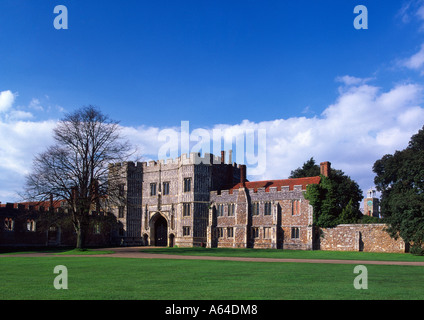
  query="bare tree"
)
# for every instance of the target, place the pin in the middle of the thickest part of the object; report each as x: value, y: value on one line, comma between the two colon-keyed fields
x: 75, y: 168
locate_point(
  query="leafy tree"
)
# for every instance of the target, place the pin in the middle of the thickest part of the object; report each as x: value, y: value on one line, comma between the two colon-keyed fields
x: 309, y: 169
x: 400, y: 179
x: 75, y: 168
x: 336, y: 199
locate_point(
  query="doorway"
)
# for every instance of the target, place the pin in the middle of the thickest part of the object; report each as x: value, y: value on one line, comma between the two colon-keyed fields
x: 171, y: 240
x: 161, y: 232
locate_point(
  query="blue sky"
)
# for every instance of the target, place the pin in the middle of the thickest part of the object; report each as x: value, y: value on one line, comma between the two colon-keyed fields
x: 298, y: 69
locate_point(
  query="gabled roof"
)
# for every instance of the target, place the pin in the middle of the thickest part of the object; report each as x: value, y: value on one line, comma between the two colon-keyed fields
x: 279, y: 183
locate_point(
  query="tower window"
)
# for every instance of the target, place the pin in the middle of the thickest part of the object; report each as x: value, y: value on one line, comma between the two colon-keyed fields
x: 186, y: 209
x: 187, y: 184
x: 186, y: 231
x: 166, y: 188
x: 153, y: 189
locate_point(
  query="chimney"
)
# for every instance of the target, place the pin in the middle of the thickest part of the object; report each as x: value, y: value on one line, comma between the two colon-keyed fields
x: 230, y: 156
x: 243, y: 175
x: 222, y: 157
x: 325, y: 168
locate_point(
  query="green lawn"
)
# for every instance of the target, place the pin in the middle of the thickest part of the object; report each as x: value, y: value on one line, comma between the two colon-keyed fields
x: 286, y: 254
x: 109, y: 278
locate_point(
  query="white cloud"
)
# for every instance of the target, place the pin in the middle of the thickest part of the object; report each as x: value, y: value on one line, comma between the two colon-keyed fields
x: 412, y: 10
x: 35, y: 104
x: 416, y: 61
x: 350, y: 80
x: 6, y: 100
x: 15, y: 115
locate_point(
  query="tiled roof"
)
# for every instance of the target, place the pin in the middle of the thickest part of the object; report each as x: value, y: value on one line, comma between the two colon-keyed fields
x: 279, y: 183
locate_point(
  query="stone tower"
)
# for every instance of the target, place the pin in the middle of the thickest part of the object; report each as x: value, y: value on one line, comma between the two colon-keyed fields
x: 372, y: 204
x: 166, y: 203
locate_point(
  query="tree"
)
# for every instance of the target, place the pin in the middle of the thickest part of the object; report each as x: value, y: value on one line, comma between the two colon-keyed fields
x: 309, y: 169
x: 336, y: 199
x: 75, y: 168
x: 400, y: 179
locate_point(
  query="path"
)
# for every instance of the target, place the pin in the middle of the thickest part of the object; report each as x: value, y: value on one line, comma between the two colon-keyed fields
x: 134, y: 252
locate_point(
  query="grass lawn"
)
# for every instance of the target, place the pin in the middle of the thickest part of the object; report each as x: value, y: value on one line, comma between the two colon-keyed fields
x: 91, y: 278
x: 286, y: 254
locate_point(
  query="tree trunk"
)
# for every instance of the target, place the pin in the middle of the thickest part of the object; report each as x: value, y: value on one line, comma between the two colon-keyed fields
x: 80, y: 235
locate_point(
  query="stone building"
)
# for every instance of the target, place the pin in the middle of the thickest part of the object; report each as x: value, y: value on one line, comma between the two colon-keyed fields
x: 262, y: 214
x: 167, y: 203
x: 195, y: 201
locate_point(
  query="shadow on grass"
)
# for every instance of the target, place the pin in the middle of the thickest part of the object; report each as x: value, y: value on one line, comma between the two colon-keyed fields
x: 52, y: 250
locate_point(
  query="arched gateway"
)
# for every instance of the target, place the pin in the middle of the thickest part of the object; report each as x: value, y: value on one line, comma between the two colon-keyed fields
x: 159, y: 229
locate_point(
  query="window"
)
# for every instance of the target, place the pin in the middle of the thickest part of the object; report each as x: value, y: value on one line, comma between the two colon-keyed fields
x: 295, y: 233
x: 255, y: 208
x: 30, y: 226
x: 153, y: 189
x: 121, y: 212
x: 267, y: 233
x: 220, y: 232
x: 186, y: 209
x: 231, y: 209
x: 121, y: 190
x: 186, y: 231
x: 165, y: 188
x: 220, y: 210
x: 230, y: 232
x: 267, y: 210
x: 255, y: 232
x: 8, y: 224
x: 187, y: 184
x: 295, y: 207
x: 97, y: 228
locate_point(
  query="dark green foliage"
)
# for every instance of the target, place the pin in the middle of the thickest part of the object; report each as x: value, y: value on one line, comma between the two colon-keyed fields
x: 368, y: 219
x: 335, y: 200
x: 309, y: 169
x: 400, y: 179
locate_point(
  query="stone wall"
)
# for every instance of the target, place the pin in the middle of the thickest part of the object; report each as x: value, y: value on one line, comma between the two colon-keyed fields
x: 359, y: 237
